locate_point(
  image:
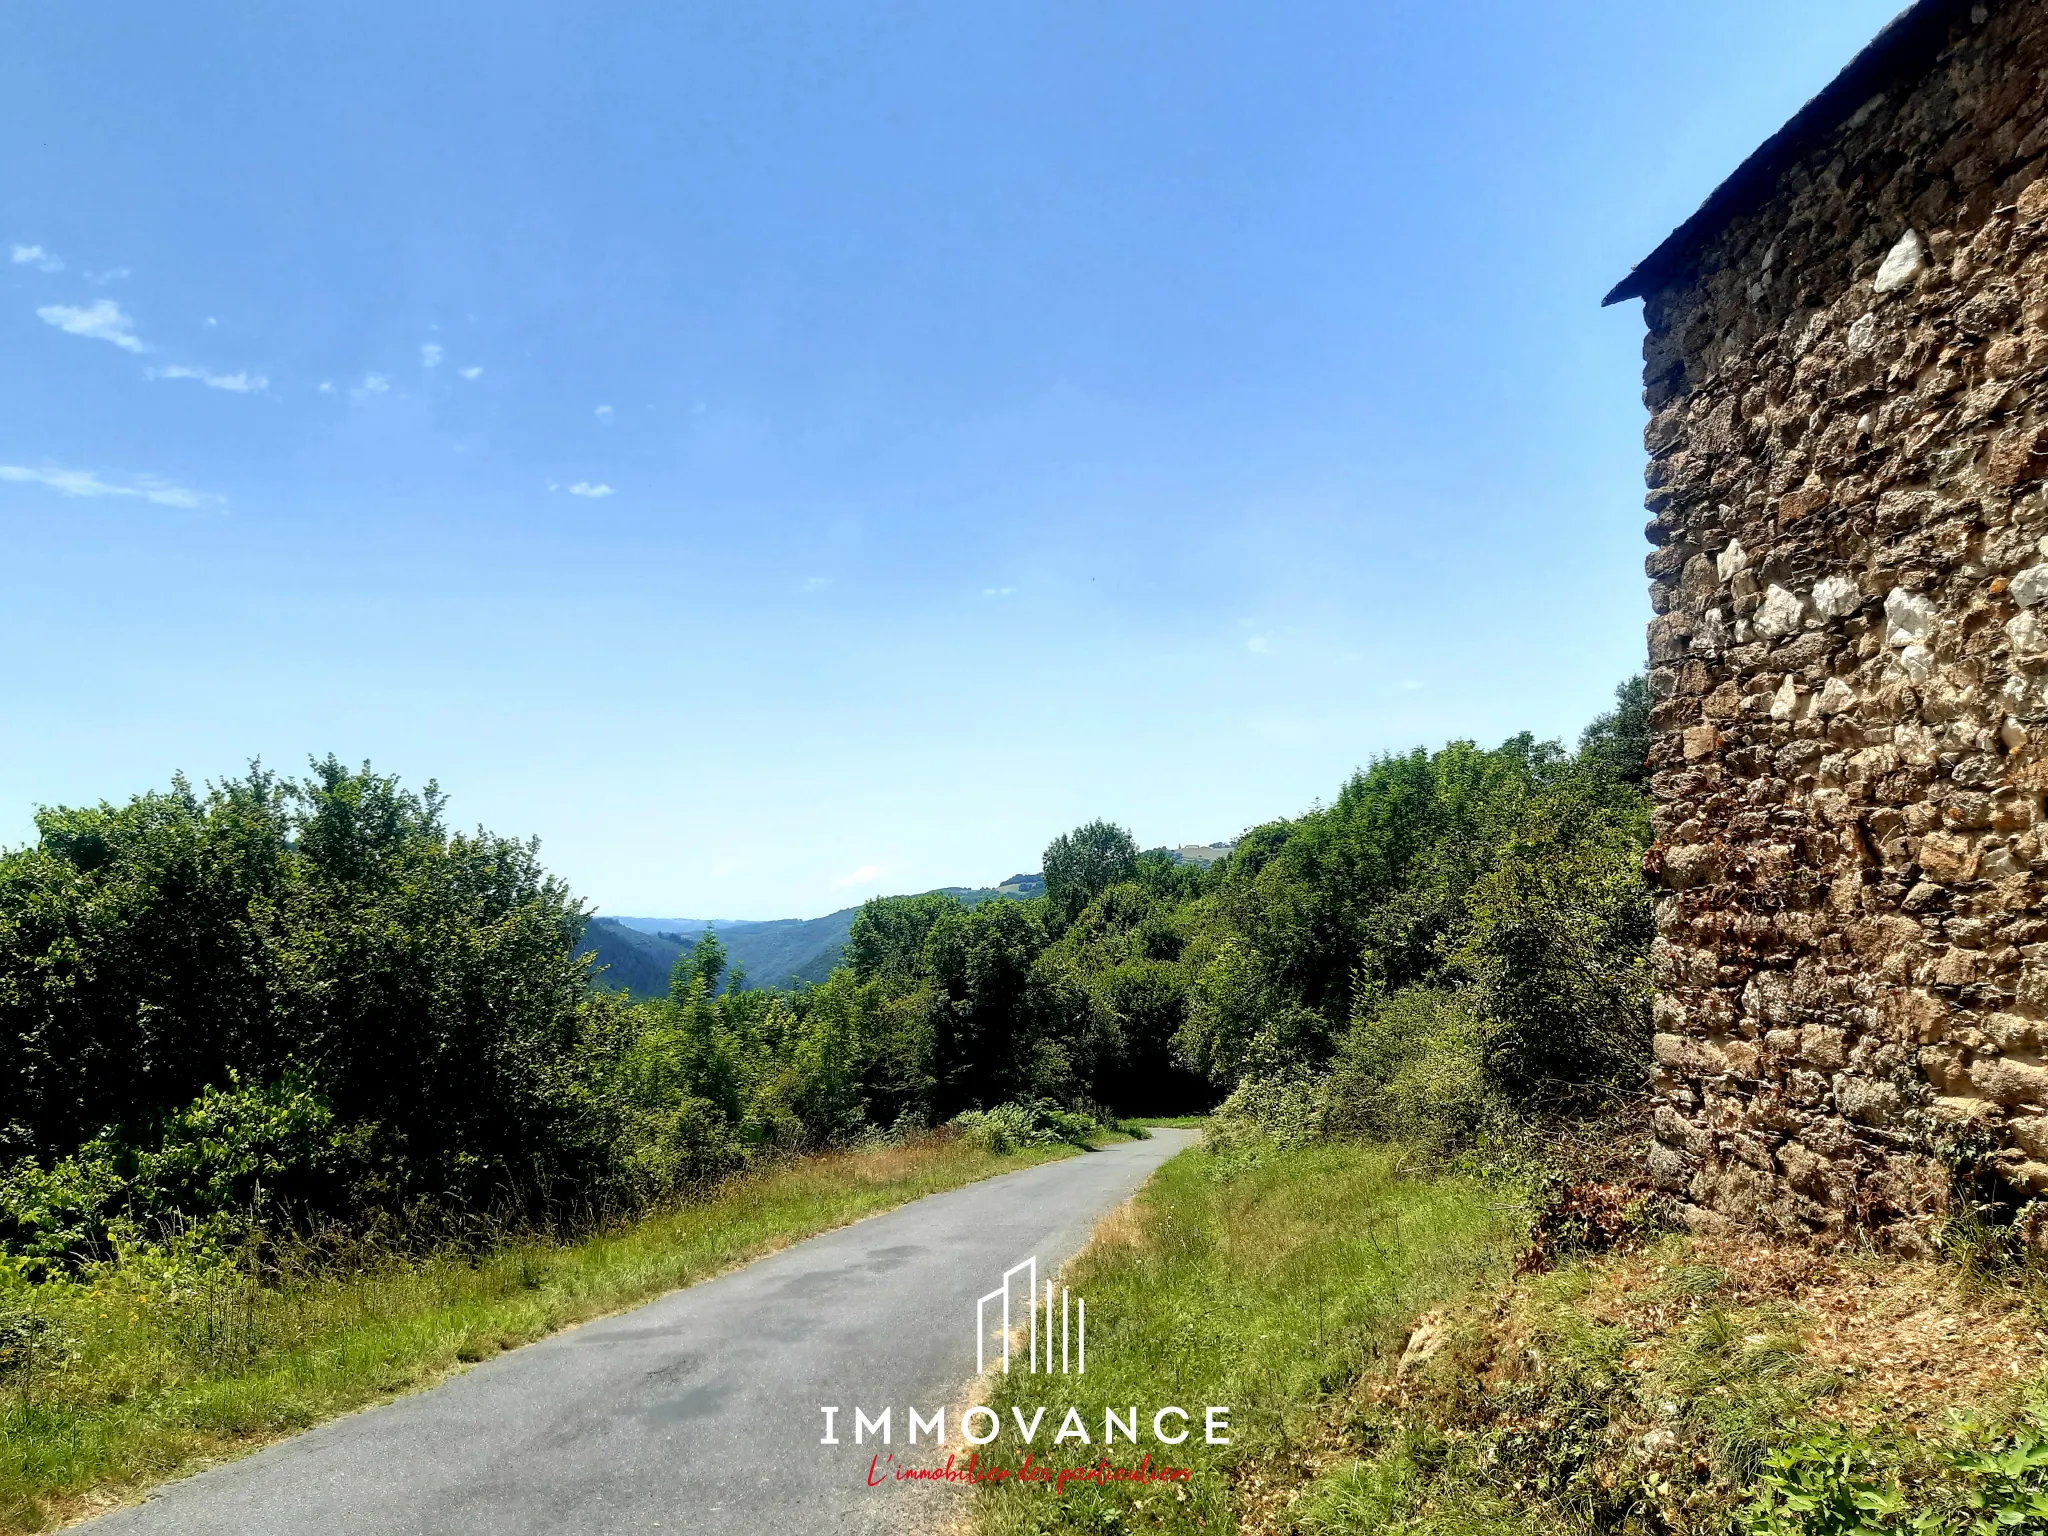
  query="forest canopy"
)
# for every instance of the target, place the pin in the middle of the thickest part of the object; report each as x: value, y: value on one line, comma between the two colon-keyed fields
x: 301, y: 1001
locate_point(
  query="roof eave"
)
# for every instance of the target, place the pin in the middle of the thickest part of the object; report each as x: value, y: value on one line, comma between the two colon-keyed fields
x: 1916, y: 33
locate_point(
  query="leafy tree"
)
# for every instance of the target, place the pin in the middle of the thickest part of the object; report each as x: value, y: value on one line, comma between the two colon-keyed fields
x: 703, y: 962
x: 420, y: 981
x: 888, y: 934
x: 1618, y: 742
x: 1161, y: 872
x: 1080, y: 865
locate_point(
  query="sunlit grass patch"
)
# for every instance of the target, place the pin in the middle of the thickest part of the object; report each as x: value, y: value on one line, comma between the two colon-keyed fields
x: 1262, y: 1289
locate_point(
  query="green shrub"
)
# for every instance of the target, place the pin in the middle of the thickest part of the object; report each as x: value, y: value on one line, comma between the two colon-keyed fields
x: 1412, y: 1068
x: 1266, y: 1114
x: 1976, y: 1481
x: 235, y: 1157
x: 1014, y: 1126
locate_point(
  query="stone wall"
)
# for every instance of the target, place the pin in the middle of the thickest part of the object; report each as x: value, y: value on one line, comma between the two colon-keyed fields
x: 1848, y: 440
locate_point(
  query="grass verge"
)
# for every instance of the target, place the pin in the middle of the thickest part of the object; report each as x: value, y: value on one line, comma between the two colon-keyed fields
x: 143, y: 1375
x: 1265, y: 1288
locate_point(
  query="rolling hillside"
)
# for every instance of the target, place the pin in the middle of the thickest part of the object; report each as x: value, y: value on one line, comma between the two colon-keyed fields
x: 637, y: 953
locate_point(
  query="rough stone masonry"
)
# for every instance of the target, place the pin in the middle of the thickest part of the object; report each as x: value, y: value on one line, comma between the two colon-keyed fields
x: 1847, y: 377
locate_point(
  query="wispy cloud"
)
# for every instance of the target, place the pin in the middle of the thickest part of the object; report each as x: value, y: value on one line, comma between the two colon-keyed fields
x: 237, y: 383
x: 867, y: 874
x: 102, y: 320
x: 604, y: 413
x: 997, y: 591
x: 373, y: 384
x: 35, y: 256
x: 112, y: 275
x: 431, y: 355
x: 817, y: 583
x: 471, y: 374
x: 1260, y: 645
x: 80, y: 482
x: 597, y: 491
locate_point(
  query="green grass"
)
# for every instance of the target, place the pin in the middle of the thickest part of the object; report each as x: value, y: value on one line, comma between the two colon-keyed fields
x: 1264, y: 1288
x: 1172, y: 1122
x: 112, y: 1386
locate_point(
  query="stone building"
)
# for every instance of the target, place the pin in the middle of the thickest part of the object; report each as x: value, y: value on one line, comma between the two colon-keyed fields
x: 1847, y: 377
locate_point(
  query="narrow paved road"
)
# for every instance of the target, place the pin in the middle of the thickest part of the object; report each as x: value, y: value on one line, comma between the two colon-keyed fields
x: 696, y: 1413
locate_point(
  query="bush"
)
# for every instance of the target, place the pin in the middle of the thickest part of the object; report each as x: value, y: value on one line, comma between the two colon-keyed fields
x: 1412, y: 1068
x: 1267, y: 1114
x: 233, y: 1159
x: 424, y: 979
x: 1011, y: 1127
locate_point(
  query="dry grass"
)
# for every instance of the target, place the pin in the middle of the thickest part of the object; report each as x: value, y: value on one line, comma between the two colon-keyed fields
x: 1910, y: 1339
x: 1640, y: 1390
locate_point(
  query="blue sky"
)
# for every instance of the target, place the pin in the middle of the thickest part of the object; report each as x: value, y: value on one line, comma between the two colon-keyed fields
x: 782, y: 453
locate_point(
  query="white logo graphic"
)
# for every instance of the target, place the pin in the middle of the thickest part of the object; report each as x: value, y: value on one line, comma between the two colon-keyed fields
x: 1072, y: 1324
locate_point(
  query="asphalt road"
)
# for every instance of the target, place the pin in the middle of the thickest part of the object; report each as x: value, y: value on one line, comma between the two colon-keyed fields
x: 696, y: 1413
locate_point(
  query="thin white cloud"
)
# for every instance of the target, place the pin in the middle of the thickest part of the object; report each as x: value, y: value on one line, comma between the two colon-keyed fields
x: 327, y: 386
x: 997, y: 591
x: 80, y: 482
x: 430, y: 355
x: 111, y: 275
x: 604, y: 413
x: 597, y: 491
x: 867, y: 874
x: 817, y: 583
x: 101, y: 320
x: 373, y: 384
x: 35, y: 256
x: 235, y: 383
x: 1260, y: 645
x: 471, y: 374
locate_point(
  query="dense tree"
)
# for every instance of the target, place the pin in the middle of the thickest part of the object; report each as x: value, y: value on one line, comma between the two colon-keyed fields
x: 887, y: 938
x: 1618, y: 742
x: 703, y: 962
x: 329, y: 925
x: 1080, y: 865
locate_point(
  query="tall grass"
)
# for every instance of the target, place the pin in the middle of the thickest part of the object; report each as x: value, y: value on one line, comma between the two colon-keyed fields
x: 1262, y: 1288
x: 148, y: 1368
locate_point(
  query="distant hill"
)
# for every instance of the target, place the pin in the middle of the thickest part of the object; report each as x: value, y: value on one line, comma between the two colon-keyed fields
x: 637, y: 953
x: 629, y: 959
